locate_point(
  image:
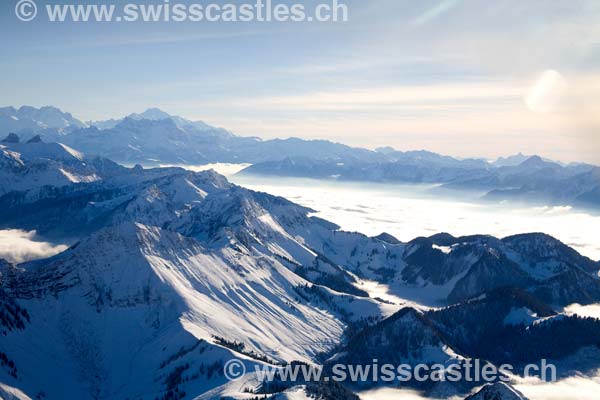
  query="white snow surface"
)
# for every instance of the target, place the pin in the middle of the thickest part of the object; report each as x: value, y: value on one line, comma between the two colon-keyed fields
x: 26, y: 166
x: 118, y: 310
x: 185, y: 263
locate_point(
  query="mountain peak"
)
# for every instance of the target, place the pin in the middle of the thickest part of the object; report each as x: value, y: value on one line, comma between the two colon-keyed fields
x: 386, y: 237
x: 36, y: 119
x: 407, y: 336
x: 11, y: 138
x: 511, y: 161
x: 537, y: 162
x: 534, y: 159
x: 497, y: 391
x: 385, y: 150
x: 35, y: 139
x: 152, y: 114
x: 145, y: 123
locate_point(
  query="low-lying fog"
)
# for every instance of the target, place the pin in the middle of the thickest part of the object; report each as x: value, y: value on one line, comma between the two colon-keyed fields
x: 17, y: 246
x: 574, y: 388
x: 408, y: 211
x: 405, y: 211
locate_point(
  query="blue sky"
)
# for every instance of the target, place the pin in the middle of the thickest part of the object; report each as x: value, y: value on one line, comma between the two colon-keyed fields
x: 454, y: 76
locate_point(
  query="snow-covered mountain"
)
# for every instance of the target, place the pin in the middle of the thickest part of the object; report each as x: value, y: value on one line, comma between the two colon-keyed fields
x: 461, y: 268
x: 533, y: 180
x: 511, y: 161
x: 149, y: 141
x: 133, y: 287
x: 135, y: 294
x: 497, y: 391
x: 155, y: 114
x: 154, y: 137
x: 35, y: 164
x: 31, y: 119
x: 433, y: 271
x: 500, y: 327
x: 175, y: 272
x: 411, y: 167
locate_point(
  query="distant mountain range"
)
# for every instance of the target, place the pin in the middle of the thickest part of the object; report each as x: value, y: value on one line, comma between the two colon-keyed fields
x: 533, y: 180
x: 34, y: 119
x: 173, y: 273
x: 155, y: 137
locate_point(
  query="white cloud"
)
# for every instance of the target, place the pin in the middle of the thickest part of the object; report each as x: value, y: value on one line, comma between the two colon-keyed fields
x: 19, y: 246
x: 573, y: 388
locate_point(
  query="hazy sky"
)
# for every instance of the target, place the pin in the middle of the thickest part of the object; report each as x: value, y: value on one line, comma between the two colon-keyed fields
x: 461, y: 77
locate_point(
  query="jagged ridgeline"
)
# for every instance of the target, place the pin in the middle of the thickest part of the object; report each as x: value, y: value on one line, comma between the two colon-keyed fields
x: 172, y: 273
x: 154, y: 137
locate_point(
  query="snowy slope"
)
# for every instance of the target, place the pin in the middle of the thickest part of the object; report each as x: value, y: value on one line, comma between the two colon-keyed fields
x: 36, y: 119
x: 128, y: 286
x: 137, y: 282
x: 497, y: 391
x: 154, y: 137
x: 37, y: 164
x: 453, y: 269
x: 175, y: 272
x: 155, y: 114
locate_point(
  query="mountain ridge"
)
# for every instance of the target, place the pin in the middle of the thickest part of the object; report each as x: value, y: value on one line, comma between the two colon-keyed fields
x: 154, y: 137
x: 175, y: 272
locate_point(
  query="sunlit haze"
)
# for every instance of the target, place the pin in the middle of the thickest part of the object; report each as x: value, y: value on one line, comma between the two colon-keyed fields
x: 460, y: 77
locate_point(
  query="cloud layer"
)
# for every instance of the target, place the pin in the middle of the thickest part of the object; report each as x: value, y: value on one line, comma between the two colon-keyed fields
x: 18, y: 246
